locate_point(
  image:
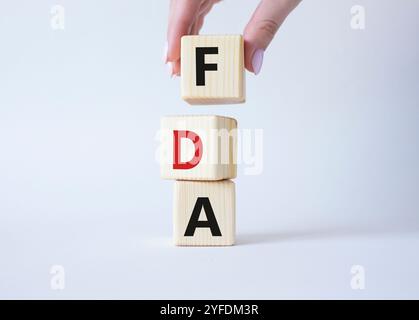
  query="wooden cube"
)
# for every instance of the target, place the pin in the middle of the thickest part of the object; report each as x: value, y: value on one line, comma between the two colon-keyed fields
x: 212, y: 69
x: 198, y: 147
x: 204, y: 213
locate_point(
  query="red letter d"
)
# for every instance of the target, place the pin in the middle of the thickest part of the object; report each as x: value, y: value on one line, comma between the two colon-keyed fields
x: 179, y: 134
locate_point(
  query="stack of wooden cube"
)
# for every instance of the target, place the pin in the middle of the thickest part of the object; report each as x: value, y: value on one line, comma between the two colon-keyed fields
x: 200, y: 151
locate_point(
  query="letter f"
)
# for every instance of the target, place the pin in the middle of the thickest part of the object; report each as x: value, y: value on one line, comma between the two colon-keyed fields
x: 201, y: 66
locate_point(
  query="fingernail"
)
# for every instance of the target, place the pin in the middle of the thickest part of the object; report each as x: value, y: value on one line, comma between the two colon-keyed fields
x: 257, y: 61
x: 166, y: 48
x: 170, y: 68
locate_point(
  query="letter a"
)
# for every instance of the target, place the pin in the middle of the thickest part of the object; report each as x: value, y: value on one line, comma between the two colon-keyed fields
x: 194, y: 222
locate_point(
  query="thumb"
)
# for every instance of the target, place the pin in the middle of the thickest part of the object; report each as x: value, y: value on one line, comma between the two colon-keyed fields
x: 262, y: 28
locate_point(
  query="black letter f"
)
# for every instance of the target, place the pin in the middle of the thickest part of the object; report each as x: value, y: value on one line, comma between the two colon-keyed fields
x: 201, y: 67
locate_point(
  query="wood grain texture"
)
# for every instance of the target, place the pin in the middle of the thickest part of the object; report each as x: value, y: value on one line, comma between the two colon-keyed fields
x: 224, y: 86
x: 221, y: 195
x: 219, y: 147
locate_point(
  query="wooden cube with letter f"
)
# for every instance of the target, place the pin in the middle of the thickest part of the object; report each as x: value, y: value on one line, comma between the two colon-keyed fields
x: 212, y: 69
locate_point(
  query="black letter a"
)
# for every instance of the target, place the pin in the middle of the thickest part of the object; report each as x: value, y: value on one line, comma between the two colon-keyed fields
x: 201, y: 67
x: 210, y: 223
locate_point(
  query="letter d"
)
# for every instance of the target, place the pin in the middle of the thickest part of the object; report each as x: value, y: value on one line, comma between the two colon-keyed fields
x: 177, y: 136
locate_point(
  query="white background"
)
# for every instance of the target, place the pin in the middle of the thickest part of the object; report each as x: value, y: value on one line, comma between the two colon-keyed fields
x: 80, y: 187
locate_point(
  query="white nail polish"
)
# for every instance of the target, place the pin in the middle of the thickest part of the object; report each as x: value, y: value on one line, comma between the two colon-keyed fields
x: 170, y: 68
x: 257, y: 61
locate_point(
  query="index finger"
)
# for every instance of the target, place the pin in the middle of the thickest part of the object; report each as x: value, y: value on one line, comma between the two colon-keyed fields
x: 181, y: 18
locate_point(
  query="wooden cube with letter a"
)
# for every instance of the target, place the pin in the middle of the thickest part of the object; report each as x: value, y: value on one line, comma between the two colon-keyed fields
x: 198, y: 147
x: 204, y: 213
x: 212, y: 69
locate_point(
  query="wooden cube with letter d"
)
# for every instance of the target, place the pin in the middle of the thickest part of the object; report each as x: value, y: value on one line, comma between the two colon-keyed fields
x: 204, y: 213
x: 198, y: 147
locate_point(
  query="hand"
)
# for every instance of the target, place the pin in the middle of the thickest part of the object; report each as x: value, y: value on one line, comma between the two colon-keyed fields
x: 187, y: 17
